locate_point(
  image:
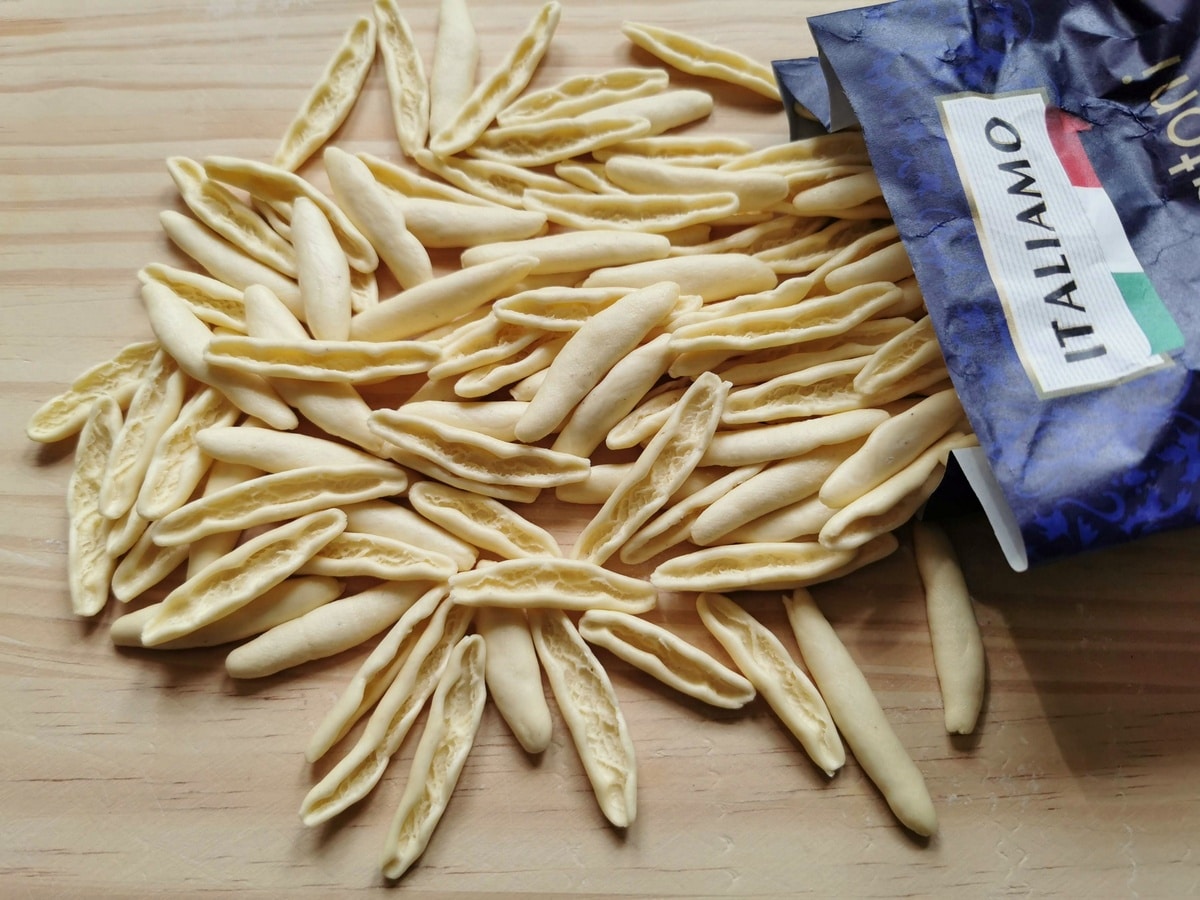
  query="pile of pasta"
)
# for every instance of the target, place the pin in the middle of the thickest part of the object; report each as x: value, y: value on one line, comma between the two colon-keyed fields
x: 720, y: 349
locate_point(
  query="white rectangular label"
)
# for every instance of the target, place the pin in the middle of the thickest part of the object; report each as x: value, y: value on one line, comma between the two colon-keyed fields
x: 1069, y: 322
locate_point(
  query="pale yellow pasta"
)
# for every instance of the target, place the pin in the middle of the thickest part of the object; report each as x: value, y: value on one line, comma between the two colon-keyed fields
x: 514, y: 676
x: 362, y: 554
x: 345, y: 361
x: 495, y: 418
x: 154, y: 406
x: 664, y: 111
x: 590, y: 352
x: 583, y: 93
x: 555, y: 308
x: 893, y: 444
x: 144, y: 565
x: 654, y: 213
x: 361, y: 768
x: 680, y: 149
x: 601, y: 480
x: 589, y: 706
x: 475, y: 456
x: 230, y: 216
x: 125, y: 532
x: 481, y: 521
x: 715, y: 276
x: 337, y: 409
x: 754, y: 190
x: 280, y: 187
x: 762, y: 658
x: 184, y: 337
x: 613, y: 397
x: 324, y: 273
x: 572, y: 251
x: 659, y: 471
x: 374, y: 675
x: 439, y: 301
x: 746, y: 567
x: 802, y: 519
x: 697, y: 57
x: 666, y: 656
x: 207, y: 550
x: 241, y: 575
x: 640, y: 425
x: 911, y: 350
x: 454, y: 715
x: 500, y: 87
x: 89, y: 565
x: 378, y: 217
x: 859, y: 716
x: 408, y: 88
x: 586, y: 175
x: 440, y: 224
x: 889, y: 263
x: 958, y: 655
x: 324, y: 631
x: 553, y: 582
x: 284, y: 602
x: 789, y: 440
x: 455, y: 64
x: 554, y: 140
x: 392, y: 520
x: 178, y: 463
x: 223, y: 260
x: 498, y: 182
x: 331, y: 98
x: 673, y: 525
x: 406, y: 184
x: 485, y: 380
x: 837, y: 197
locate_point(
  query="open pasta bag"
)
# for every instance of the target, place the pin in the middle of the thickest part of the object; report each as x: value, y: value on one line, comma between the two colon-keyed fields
x: 1042, y: 163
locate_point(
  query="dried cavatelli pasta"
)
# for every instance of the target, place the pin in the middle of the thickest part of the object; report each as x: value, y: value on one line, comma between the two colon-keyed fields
x: 658, y: 472
x: 154, y: 407
x: 654, y: 213
x: 755, y: 190
x: 789, y: 440
x: 274, y: 185
x: 455, y: 62
x: 440, y: 224
x: 325, y: 631
x: 275, y: 497
x: 696, y: 57
x: 405, y: 183
x: 505, y: 82
x: 391, y: 520
x: 555, y: 140
x: 408, y: 88
x: 282, y: 603
x: 551, y: 582
x: 762, y: 658
x: 906, y: 353
x: 331, y: 98
x: 348, y: 362
x: 144, y: 565
x: 583, y: 93
x: 681, y: 149
x: 324, y: 273
x: 454, y: 715
x: 214, y: 302
x: 222, y: 260
x: 739, y: 567
x: 230, y: 216
x: 184, y: 337
x: 179, y: 463
x: 279, y: 451
x: 496, y: 418
x: 208, y: 550
x: 118, y: 378
x: 378, y: 217
x: 573, y: 251
x: 361, y: 768
x: 375, y: 675
x: 957, y: 645
x: 859, y: 716
x: 711, y: 277
x: 353, y: 554
x: 555, y: 308
x: 663, y: 654
x: 589, y: 706
x: 241, y: 575
x: 89, y: 565
x: 514, y: 675
x: 498, y: 182
x: 481, y: 521
x: 664, y: 111
x: 471, y: 455
x: 590, y: 352
x: 439, y: 301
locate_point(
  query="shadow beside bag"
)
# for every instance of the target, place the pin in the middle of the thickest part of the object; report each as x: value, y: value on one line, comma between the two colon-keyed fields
x: 1042, y: 162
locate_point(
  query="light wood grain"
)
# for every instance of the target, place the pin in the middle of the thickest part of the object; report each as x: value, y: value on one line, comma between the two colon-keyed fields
x: 127, y: 774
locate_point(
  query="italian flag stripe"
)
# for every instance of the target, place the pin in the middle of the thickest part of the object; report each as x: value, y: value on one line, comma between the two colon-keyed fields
x: 1143, y: 301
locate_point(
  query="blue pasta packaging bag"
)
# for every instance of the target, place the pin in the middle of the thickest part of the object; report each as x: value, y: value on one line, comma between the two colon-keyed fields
x: 1042, y: 163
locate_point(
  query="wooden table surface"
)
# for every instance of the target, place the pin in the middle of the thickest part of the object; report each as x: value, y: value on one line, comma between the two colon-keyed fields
x: 128, y: 774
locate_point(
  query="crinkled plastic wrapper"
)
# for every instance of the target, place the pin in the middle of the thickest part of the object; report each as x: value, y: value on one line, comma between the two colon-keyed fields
x: 1042, y: 162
